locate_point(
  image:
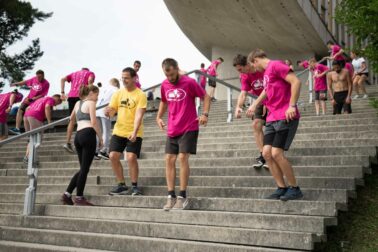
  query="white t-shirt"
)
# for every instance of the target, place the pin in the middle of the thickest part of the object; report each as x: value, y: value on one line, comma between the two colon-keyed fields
x: 104, y: 97
x: 357, y: 65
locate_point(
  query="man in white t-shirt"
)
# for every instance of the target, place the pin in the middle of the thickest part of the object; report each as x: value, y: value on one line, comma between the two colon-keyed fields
x: 361, y: 73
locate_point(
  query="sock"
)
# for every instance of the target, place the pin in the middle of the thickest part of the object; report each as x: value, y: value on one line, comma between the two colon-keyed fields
x: 183, y: 194
x: 134, y: 184
x: 68, y: 194
x: 121, y: 183
x: 172, y: 194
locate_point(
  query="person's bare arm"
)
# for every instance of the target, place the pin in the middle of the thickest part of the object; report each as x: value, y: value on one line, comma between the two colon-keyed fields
x: 206, y: 108
x: 239, y: 107
x: 12, y: 99
x: 338, y: 53
x: 20, y: 83
x: 162, y: 109
x: 256, y: 103
x: 62, y: 83
x: 48, y: 113
x: 295, y: 83
x: 110, y: 112
x: 350, y: 88
x: 137, y: 123
x: 363, y: 67
x: 329, y: 85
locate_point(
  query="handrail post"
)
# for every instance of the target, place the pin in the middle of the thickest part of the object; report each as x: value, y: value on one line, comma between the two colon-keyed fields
x: 329, y: 63
x: 229, y: 105
x: 32, y: 172
x: 198, y: 104
x: 310, y: 85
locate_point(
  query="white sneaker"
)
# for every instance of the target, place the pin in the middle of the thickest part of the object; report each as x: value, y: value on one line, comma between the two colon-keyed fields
x: 365, y: 96
x: 355, y: 97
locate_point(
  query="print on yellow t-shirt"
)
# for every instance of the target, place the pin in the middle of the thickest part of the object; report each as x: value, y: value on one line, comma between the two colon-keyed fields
x: 126, y: 104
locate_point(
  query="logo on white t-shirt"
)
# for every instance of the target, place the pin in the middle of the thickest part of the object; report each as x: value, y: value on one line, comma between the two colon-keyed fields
x: 37, y: 87
x: 176, y: 94
x: 257, y: 84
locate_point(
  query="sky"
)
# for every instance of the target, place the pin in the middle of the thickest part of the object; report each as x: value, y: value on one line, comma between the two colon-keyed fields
x: 107, y: 36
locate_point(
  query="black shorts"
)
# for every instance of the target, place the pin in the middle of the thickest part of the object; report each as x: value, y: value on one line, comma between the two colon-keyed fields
x: 212, y: 83
x: 259, y: 113
x: 366, y: 74
x: 186, y: 143
x: 280, y: 134
x: 71, y: 103
x: 118, y: 144
x: 317, y: 95
x: 340, y: 105
x: 23, y: 107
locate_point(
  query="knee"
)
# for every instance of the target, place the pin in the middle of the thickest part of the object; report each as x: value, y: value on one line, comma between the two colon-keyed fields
x: 131, y: 157
x: 114, y: 157
x: 256, y: 125
x: 267, y: 154
x: 170, y: 159
x: 277, y: 154
x: 183, y: 158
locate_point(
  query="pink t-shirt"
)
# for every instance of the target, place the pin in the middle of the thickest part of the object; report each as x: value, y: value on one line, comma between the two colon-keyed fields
x: 78, y: 79
x: 182, y: 114
x: 252, y: 82
x: 349, y: 67
x: 137, y: 83
x: 278, y: 90
x: 321, y: 82
x: 212, y: 69
x: 4, y: 104
x: 37, y: 88
x: 37, y: 108
x: 336, y: 49
x: 203, y: 78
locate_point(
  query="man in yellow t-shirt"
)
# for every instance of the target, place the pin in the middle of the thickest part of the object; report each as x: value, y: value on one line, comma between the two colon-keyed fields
x: 130, y: 105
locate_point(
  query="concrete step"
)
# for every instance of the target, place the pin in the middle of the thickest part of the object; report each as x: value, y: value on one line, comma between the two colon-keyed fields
x: 322, y: 194
x: 210, y: 181
x: 132, y: 242
x: 302, y: 171
x: 14, y: 201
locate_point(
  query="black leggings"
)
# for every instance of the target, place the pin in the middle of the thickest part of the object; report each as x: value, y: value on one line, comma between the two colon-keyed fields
x: 85, y: 144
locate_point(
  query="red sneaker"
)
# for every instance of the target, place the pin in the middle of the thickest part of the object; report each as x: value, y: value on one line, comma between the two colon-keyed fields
x: 82, y: 202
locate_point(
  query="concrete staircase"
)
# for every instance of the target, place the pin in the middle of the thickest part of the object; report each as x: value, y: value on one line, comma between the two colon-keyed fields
x: 330, y: 154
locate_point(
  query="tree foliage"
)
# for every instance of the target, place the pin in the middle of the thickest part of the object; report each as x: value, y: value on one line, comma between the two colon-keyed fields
x: 361, y: 18
x: 16, y: 19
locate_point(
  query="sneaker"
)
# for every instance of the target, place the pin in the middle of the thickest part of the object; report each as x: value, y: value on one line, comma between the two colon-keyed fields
x: 365, y: 96
x: 181, y: 203
x: 292, y: 193
x: 260, y: 161
x: 81, y: 201
x: 68, y: 147
x: 66, y: 200
x: 135, y: 191
x: 355, y: 97
x: 103, y: 155
x: 96, y: 156
x: 170, y: 203
x: 277, y: 194
x: 15, y: 131
x: 119, y: 190
x: 265, y: 166
x: 213, y: 99
x: 25, y: 160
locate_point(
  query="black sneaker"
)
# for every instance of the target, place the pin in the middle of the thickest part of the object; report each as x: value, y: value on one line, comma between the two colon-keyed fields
x: 277, y: 194
x: 135, y: 191
x: 96, y: 157
x: 119, y: 190
x: 260, y: 161
x: 292, y: 193
x: 213, y: 99
x: 103, y: 155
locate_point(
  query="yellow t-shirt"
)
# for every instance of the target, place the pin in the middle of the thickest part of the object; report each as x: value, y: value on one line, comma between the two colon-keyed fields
x: 126, y: 104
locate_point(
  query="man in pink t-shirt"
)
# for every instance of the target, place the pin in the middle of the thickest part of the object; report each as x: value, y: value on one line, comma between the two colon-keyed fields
x: 212, y: 71
x: 281, y: 93
x: 319, y: 72
x: 137, y: 65
x: 251, y: 82
x: 37, y: 112
x: 202, y: 78
x: 39, y: 87
x: 78, y: 79
x: 336, y: 53
x: 178, y: 94
x: 6, y: 102
x: 303, y: 64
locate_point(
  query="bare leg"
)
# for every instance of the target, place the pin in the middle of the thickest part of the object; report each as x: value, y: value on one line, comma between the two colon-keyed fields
x: 273, y: 166
x: 212, y: 92
x: 317, y: 107
x: 355, y: 84
x: 133, y: 167
x: 117, y: 166
x: 323, y: 105
x: 70, y: 129
x: 19, y: 116
x: 284, y: 165
x: 361, y: 83
x: 184, y: 170
x: 170, y: 170
x: 257, y: 126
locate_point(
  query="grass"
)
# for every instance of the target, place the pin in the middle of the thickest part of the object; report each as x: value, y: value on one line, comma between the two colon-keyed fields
x: 357, y: 230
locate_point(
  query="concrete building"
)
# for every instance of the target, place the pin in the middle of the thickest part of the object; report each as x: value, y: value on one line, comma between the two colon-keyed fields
x: 285, y: 29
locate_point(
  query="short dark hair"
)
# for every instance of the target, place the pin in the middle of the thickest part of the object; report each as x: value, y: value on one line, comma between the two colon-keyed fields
x: 137, y: 62
x: 202, y: 65
x: 257, y: 53
x: 85, y: 68
x: 130, y: 70
x: 169, y: 62
x: 240, y: 60
x: 221, y: 59
x: 336, y: 63
x: 40, y: 72
x: 299, y: 62
x: 330, y: 42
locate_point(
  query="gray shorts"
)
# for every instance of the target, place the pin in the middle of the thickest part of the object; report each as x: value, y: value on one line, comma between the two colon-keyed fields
x: 280, y: 134
x: 3, y: 129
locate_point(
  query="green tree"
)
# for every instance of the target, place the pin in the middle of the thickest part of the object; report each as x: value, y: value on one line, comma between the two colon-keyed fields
x: 361, y: 17
x: 16, y: 19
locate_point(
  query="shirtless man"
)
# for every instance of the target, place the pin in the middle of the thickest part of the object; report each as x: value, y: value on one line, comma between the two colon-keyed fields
x: 340, y: 88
